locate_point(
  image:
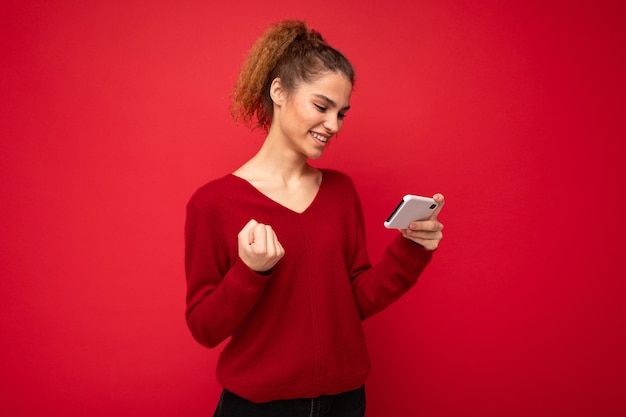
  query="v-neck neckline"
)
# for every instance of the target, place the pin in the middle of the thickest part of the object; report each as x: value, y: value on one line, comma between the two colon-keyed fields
x: 267, y: 198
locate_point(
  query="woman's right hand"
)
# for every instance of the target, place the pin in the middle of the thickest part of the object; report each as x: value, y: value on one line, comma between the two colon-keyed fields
x: 259, y: 247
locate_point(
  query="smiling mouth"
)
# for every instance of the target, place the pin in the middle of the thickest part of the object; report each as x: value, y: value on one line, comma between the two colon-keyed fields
x: 319, y: 137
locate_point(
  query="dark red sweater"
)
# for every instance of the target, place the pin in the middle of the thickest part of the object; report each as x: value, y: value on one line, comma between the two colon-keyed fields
x: 296, y: 333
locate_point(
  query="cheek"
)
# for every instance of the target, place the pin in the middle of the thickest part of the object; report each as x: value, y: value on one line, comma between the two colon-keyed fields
x: 309, y: 119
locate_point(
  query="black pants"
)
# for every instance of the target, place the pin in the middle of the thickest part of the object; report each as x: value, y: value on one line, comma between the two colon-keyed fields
x: 347, y: 404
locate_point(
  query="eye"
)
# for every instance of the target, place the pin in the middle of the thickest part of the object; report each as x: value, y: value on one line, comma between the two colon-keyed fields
x: 341, y: 116
x: 322, y: 109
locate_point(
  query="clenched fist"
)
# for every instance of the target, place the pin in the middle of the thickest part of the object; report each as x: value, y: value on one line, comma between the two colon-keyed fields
x: 259, y: 247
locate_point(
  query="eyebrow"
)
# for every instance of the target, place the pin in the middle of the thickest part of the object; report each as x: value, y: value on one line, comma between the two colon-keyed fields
x: 329, y: 101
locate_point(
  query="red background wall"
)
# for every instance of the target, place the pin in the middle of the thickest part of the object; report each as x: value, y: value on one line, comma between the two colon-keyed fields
x: 113, y: 113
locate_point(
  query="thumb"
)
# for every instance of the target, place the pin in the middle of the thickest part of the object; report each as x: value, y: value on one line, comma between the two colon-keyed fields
x: 440, y: 200
x: 248, y: 230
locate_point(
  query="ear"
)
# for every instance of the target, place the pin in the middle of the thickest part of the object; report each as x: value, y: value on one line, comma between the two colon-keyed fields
x: 277, y: 92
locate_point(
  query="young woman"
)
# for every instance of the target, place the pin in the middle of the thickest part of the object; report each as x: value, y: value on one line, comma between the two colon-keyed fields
x: 275, y: 252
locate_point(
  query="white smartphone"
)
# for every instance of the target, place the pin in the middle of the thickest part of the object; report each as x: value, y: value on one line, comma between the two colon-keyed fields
x: 411, y: 208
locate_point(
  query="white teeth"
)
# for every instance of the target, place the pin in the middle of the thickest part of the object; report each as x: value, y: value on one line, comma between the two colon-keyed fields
x: 319, y: 137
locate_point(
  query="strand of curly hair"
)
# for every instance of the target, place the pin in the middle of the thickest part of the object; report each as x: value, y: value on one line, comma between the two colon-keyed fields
x: 248, y: 92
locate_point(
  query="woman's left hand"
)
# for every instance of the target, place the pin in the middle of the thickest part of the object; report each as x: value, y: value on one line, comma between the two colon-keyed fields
x: 427, y: 233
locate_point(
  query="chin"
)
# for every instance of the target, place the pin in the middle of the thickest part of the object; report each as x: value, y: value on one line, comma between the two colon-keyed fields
x: 316, y: 155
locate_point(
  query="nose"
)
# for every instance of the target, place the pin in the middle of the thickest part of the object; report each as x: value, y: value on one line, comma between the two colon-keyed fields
x: 332, y: 124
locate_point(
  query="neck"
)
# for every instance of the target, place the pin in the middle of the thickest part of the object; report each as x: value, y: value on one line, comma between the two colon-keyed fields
x: 275, y: 160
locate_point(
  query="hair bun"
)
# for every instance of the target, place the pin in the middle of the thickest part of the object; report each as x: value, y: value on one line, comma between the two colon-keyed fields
x: 289, y: 50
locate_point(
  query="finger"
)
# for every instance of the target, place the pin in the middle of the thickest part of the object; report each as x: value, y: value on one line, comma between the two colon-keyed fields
x: 249, y: 226
x: 440, y: 201
x: 430, y: 242
x: 426, y: 225
x: 274, y: 248
x: 437, y: 235
x: 259, y: 237
x: 269, y: 240
x: 246, y: 232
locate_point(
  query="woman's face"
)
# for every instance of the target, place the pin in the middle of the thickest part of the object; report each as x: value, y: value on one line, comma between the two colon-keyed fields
x: 311, y: 114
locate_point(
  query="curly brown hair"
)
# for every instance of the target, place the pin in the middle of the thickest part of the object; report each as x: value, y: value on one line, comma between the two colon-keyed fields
x: 289, y: 50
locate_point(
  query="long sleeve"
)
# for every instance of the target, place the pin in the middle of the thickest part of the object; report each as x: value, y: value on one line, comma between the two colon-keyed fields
x: 376, y: 287
x: 221, y: 289
x: 297, y: 332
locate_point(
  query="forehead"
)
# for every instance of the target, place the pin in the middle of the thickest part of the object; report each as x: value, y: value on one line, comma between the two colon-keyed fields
x: 335, y: 86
